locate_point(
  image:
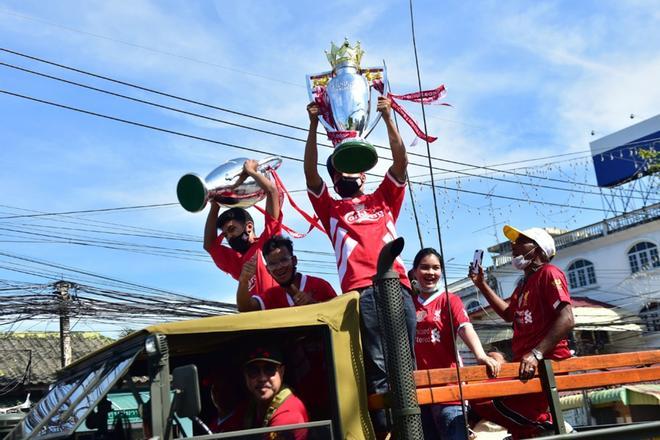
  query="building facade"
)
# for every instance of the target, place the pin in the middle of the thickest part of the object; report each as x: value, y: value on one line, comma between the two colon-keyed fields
x: 613, y: 271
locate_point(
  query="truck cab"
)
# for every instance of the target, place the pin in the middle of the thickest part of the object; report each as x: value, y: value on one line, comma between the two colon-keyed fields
x: 164, y: 375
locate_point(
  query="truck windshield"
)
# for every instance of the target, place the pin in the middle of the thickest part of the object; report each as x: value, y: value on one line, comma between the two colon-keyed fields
x: 69, y: 401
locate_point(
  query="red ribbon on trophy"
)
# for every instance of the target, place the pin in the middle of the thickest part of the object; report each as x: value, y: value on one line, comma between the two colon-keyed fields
x: 339, y: 135
x: 334, y: 136
x: 424, y: 97
x: 313, y: 221
x: 324, y: 107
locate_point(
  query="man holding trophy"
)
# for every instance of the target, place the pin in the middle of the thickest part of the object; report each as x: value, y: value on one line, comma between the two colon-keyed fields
x: 236, y: 225
x: 359, y: 224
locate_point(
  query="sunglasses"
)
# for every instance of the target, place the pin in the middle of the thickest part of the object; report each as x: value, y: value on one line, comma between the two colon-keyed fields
x: 255, y: 370
x: 277, y: 264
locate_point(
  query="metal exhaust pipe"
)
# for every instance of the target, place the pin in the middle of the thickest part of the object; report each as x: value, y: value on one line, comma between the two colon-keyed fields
x: 403, y: 392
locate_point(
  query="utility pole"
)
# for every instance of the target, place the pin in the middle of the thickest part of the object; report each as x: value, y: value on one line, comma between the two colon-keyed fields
x: 62, y: 290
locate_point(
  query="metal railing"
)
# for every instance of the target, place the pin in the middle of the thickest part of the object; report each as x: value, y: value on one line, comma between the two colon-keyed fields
x: 600, y: 229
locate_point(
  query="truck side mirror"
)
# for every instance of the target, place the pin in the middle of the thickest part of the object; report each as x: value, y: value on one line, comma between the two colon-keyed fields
x: 185, y: 383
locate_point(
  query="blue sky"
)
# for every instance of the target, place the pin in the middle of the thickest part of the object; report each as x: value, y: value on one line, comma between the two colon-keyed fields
x: 526, y: 80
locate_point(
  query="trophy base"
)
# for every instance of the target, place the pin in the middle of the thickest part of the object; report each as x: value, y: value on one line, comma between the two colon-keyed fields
x: 354, y: 156
x: 191, y: 192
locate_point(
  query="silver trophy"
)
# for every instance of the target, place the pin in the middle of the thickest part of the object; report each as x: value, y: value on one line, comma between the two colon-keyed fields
x: 226, y: 184
x: 344, y: 97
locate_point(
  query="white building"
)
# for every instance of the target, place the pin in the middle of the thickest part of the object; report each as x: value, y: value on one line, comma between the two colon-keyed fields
x: 613, y: 269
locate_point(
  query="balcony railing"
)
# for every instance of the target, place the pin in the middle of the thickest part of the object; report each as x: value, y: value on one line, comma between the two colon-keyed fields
x: 600, y: 229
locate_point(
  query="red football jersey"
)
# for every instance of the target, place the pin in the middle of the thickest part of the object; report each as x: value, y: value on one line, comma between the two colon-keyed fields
x: 277, y: 298
x: 290, y: 412
x: 533, y: 309
x: 359, y: 227
x: 231, y: 261
x: 434, y: 346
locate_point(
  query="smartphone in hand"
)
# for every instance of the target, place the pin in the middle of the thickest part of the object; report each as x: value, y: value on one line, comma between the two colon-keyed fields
x: 476, y: 261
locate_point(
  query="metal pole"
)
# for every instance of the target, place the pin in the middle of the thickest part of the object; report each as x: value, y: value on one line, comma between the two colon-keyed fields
x: 62, y: 289
x: 159, y: 375
x: 547, y: 377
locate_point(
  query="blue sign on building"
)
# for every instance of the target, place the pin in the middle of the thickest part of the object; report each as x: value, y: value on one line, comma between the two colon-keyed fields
x: 616, y: 156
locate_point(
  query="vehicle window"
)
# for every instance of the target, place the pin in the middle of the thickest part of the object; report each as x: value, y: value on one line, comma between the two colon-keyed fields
x: 68, y: 403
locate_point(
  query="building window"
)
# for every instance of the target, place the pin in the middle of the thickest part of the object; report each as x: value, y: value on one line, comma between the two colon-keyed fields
x: 473, y: 306
x: 581, y: 274
x: 643, y: 256
x: 592, y: 342
x: 650, y: 314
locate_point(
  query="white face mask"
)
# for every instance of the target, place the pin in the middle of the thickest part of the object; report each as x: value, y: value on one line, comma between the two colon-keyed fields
x: 520, y: 262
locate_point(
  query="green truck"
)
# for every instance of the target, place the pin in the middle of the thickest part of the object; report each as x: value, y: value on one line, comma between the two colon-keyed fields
x: 164, y: 368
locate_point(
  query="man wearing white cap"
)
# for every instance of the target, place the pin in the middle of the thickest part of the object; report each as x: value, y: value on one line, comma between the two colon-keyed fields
x: 540, y: 309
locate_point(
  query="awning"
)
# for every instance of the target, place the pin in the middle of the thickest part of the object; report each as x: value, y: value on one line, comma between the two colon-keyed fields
x: 604, y: 319
x: 494, y: 329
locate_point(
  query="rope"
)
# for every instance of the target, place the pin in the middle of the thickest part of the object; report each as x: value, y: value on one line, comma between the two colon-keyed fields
x: 437, y: 223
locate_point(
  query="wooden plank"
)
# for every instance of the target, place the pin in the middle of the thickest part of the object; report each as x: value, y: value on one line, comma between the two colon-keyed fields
x: 603, y: 361
x: 604, y: 378
x: 480, y: 390
x: 502, y: 388
x: 442, y: 376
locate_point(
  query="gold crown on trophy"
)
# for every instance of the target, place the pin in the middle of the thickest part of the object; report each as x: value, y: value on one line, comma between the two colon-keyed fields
x: 343, y: 53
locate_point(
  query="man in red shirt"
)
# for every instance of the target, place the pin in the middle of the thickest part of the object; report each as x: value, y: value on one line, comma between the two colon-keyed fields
x: 237, y: 227
x: 540, y: 309
x: 358, y: 226
x: 293, y: 289
x: 271, y: 402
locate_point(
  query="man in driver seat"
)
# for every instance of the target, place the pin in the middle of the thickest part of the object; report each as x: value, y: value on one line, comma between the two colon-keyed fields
x: 271, y: 402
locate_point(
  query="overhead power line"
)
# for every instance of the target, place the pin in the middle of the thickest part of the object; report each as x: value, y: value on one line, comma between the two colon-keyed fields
x: 94, y: 275
x: 151, y: 49
x: 88, y: 211
x: 256, y: 150
x: 271, y: 133
x: 212, y: 64
x: 196, y: 102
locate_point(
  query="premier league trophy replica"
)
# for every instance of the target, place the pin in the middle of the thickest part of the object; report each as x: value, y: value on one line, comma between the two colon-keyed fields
x: 344, y: 98
x: 227, y: 185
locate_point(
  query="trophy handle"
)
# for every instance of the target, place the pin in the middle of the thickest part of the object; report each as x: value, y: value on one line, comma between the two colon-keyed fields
x: 266, y: 164
x: 310, y: 93
x: 386, y: 85
x: 269, y: 163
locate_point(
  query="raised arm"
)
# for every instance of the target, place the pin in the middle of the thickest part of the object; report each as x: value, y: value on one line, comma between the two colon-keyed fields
x: 498, y: 304
x: 272, y: 195
x: 244, y: 300
x: 312, y: 177
x: 399, y: 156
x: 210, y: 229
